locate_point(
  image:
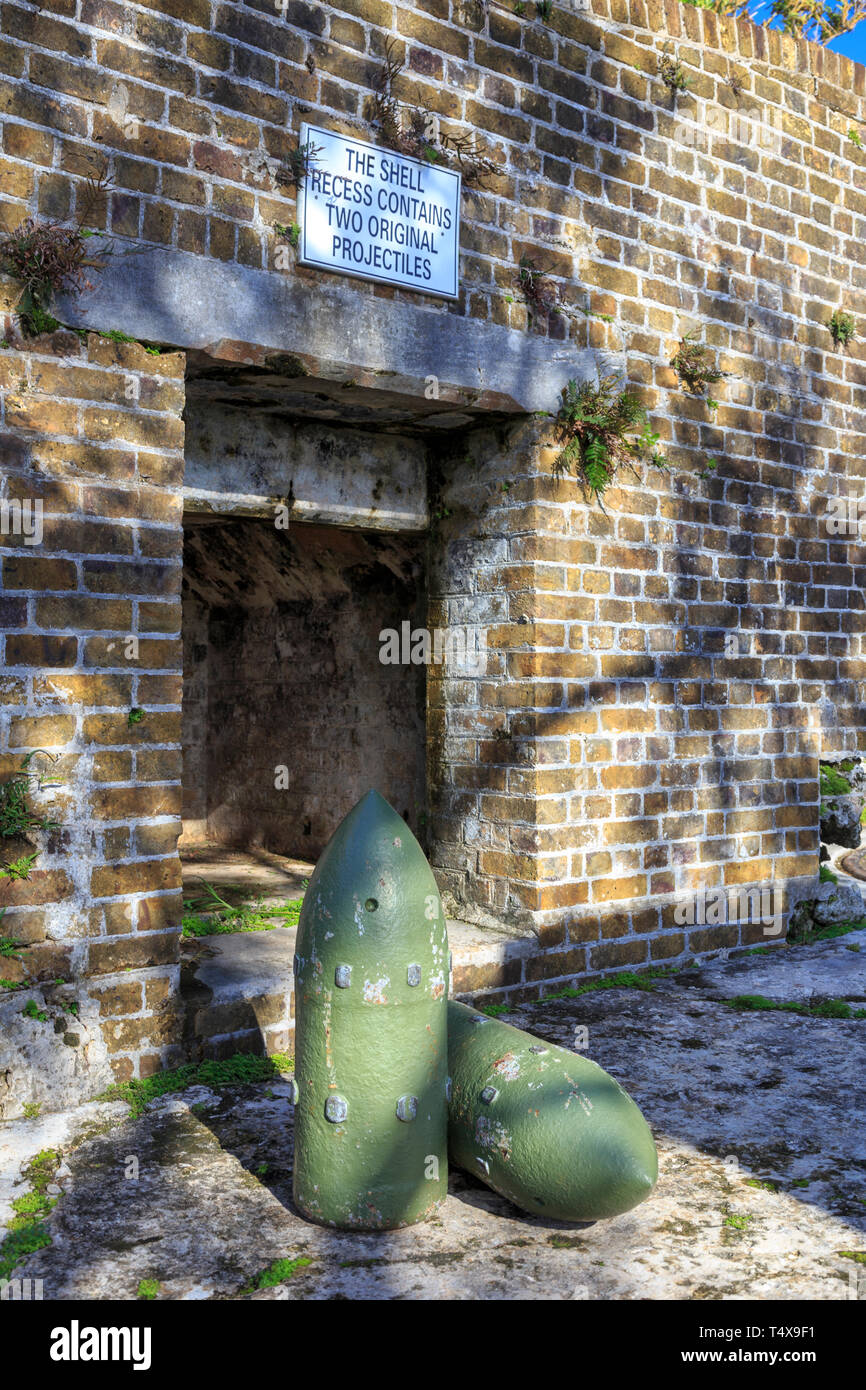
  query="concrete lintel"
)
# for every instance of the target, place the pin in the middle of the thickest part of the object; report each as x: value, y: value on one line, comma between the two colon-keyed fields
x: 245, y: 462
x: 240, y: 314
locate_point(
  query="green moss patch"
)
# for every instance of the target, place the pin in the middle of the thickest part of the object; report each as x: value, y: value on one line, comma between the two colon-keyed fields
x: 828, y: 1008
x: 27, y: 1229
x: 276, y: 1273
x: 243, y: 1067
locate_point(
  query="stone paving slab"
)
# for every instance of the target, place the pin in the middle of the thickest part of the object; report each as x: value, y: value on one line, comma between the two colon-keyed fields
x: 734, y: 1099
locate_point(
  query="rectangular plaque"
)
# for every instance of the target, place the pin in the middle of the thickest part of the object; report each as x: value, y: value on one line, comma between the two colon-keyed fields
x: 366, y: 211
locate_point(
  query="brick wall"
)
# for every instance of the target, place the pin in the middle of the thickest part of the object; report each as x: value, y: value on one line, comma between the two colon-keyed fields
x: 620, y: 753
x: 90, y: 632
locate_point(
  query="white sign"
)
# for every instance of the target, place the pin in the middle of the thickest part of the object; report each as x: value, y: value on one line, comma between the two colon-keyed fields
x: 367, y: 211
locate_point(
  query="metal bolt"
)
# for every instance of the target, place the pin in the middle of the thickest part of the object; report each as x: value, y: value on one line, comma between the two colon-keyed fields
x: 539, y: 1050
x: 336, y: 1109
x: 448, y: 1088
x: 413, y: 975
x: 343, y: 976
x: 489, y: 1094
x: 407, y: 1108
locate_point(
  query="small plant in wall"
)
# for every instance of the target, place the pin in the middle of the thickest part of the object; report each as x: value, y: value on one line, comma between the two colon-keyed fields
x: 842, y: 327
x: 539, y: 291
x: 418, y: 137
x: 695, y: 365
x: 298, y: 164
x: 290, y: 234
x: 855, y: 137
x: 736, y: 86
x: 601, y: 426
x: 49, y: 259
x: 672, y: 74
x: 18, y: 820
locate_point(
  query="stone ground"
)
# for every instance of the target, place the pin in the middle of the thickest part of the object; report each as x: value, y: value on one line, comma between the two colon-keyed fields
x: 241, y: 875
x: 734, y: 1099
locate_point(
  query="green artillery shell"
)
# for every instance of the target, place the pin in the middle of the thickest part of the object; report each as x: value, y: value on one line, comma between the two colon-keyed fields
x: 371, y: 1053
x: 543, y: 1126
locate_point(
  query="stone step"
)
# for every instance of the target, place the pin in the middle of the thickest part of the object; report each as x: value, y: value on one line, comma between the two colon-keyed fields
x: 238, y: 989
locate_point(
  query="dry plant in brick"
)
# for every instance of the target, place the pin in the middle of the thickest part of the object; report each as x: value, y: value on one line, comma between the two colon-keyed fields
x: 416, y: 138
x: 695, y: 365
x: 298, y: 165
x: 602, y: 426
x: 49, y: 259
x: 539, y: 290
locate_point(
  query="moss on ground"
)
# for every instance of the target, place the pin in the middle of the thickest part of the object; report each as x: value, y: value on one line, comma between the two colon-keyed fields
x: 243, y: 1067
x: 276, y: 1273
x: 828, y: 1008
x: 27, y: 1229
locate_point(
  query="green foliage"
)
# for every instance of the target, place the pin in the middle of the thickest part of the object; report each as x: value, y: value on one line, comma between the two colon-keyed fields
x: 738, y: 1221
x: 855, y: 137
x: 135, y: 716
x: 17, y: 820
x: 290, y: 234
x: 544, y: 9
x: 821, y: 21
x: 19, y: 868
x: 32, y: 1010
x: 495, y: 1010
x: 695, y: 366
x: 601, y: 426
x: 807, y: 936
x: 858, y: 1256
x: 842, y: 326
x: 258, y: 916
x: 31, y: 1110
x: 27, y: 1229
x: 825, y: 875
x: 831, y: 781
x: 21, y: 1242
x: 672, y: 74
x: 238, y: 1070
x: 276, y: 1273
x: 147, y: 1289
x: 828, y: 1008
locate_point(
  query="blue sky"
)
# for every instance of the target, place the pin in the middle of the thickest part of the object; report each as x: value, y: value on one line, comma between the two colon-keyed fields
x: 853, y: 44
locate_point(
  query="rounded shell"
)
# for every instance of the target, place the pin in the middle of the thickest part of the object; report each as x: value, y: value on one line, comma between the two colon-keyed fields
x: 545, y: 1127
x: 371, y: 986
